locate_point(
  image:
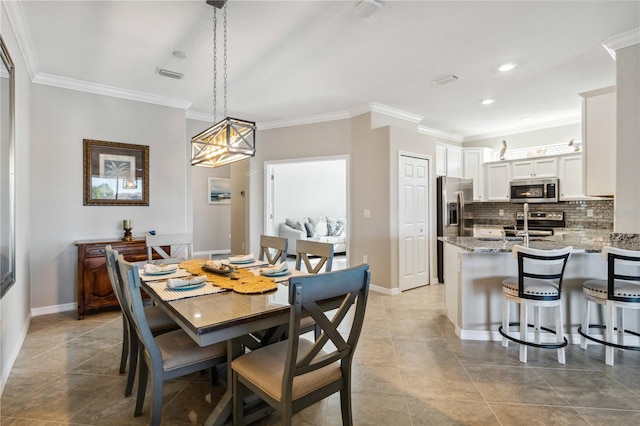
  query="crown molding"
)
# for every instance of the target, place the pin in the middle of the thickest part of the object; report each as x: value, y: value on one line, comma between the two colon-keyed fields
x: 620, y: 41
x: 311, y: 119
x: 529, y: 128
x: 395, y: 113
x: 440, y: 134
x: 199, y: 115
x: 17, y: 20
x: 115, y: 92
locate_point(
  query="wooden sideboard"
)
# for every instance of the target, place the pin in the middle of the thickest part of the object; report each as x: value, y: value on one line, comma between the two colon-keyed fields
x: 94, y: 288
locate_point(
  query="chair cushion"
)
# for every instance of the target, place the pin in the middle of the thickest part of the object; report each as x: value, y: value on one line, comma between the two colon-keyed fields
x: 265, y: 366
x: 158, y: 320
x: 179, y: 350
x: 532, y: 286
x: 598, y: 288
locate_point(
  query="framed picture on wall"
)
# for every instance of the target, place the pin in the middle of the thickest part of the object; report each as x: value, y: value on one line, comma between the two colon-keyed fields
x: 115, y: 174
x: 219, y: 190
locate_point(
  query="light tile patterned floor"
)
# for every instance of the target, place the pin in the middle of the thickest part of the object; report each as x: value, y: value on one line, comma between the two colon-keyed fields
x: 409, y: 369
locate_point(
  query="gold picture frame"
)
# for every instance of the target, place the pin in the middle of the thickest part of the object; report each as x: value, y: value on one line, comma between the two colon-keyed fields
x: 115, y: 174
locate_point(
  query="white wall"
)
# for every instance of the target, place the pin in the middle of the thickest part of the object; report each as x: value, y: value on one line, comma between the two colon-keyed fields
x: 552, y: 136
x: 61, y: 120
x: 211, y: 222
x: 15, y: 306
x: 309, y: 189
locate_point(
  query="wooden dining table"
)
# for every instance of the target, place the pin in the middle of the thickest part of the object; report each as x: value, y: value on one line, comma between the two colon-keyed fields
x: 230, y: 317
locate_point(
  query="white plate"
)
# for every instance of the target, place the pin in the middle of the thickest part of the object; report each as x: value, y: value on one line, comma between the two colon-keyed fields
x: 161, y: 272
x: 276, y: 274
x: 187, y: 287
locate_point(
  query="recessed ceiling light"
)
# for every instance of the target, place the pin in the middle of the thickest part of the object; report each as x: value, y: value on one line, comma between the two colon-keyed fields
x: 488, y: 101
x: 179, y: 54
x: 506, y: 67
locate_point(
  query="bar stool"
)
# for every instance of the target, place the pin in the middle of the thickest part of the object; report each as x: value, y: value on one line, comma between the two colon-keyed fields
x: 621, y: 290
x: 538, y: 284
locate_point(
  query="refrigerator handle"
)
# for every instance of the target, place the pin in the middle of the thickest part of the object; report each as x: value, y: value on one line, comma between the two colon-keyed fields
x: 461, y: 212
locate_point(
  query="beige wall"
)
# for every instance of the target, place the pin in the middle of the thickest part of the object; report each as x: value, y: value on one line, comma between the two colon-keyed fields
x: 627, y: 200
x: 15, y: 305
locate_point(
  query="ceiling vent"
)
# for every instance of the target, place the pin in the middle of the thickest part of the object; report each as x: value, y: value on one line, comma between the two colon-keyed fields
x: 448, y: 79
x: 170, y: 74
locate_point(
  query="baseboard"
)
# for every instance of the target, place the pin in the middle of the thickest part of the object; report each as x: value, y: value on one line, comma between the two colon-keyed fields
x: 384, y: 290
x: 13, y: 356
x: 54, y: 309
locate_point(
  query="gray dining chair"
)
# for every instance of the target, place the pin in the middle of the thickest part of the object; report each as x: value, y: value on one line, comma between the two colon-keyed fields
x: 180, y: 247
x: 273, y: 248
x: 166, y: 356
x: 306, y: 250
x: 159, y: 322
x: 296, y: 373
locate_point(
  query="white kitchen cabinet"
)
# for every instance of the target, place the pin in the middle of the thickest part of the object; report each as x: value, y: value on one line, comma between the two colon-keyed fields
x: 599, y: 141
x: 570, y: 178
x: 497, y: 180
x: 473, y: 168
x: 448, y: 161
x: 534, y: 169
x: 441, y: 160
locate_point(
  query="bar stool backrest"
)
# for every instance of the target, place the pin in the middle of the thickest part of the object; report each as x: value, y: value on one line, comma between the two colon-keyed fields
x: 623, y: 265
x: 536, y: 264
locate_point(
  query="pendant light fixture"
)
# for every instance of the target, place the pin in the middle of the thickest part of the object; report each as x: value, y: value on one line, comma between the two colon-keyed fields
x: 230, y: 139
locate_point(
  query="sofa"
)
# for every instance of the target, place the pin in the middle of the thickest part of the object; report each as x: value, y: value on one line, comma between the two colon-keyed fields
x: 326, y: 229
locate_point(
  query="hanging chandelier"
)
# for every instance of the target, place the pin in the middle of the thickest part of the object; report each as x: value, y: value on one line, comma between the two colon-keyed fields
x: 230, y: 139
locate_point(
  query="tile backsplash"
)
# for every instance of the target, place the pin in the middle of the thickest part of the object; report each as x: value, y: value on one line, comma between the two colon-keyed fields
x: 575, y: 213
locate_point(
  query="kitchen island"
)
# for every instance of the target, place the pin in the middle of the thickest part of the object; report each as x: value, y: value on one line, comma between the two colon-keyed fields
x: 475, y: 267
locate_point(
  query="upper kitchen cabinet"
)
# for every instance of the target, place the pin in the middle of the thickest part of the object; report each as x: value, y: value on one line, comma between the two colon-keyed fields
x: 473, y: 162
x: 599, y: 141
x: 534, y: 169
x: 497, y: 181
x: 448, y: 161
x: 570, y: 177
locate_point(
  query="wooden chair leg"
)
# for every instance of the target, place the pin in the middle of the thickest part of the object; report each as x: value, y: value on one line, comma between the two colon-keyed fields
x: 238, y: 403
x: 585, y: 323
x: 142, y: 386
x: 125, y: 345
x: 345, y: 402
x: 523, y: 332
x: 157, y: 385
x: 133, y: 362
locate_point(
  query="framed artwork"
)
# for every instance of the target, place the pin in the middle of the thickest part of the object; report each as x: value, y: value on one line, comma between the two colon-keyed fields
x: 219, y: 190
x: 115, y: 174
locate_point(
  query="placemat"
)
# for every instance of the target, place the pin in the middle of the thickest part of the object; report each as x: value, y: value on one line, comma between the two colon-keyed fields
x: 169, y: 295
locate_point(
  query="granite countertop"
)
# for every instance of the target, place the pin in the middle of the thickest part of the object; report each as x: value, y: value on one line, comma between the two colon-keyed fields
x: 586, y: 240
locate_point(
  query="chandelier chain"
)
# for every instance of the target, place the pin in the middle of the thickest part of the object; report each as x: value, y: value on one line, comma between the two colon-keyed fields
x: 225, y: 59
x: 215, y: 65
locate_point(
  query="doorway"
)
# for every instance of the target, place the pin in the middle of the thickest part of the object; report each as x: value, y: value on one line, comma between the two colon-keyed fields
x: 308, y: 187
x: 413, y: 217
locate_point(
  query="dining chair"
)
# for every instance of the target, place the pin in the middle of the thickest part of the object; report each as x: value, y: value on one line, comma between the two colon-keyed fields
x: 159, y: 322
x: 296, y: 373
x: 538, y: 284
x: 168, y: 355
x: 273, y: 248
x: 180, y: 247
x: 621, y: 290
x: 306, y: 249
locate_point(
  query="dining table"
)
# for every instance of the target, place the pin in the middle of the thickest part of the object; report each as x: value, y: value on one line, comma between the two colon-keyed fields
x: 211, y: 315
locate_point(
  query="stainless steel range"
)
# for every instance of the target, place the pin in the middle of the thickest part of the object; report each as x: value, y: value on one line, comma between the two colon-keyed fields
x: 540, y: 224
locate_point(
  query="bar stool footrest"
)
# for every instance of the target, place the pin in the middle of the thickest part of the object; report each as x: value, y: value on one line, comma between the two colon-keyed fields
x: 535, y: 345
x: 604, y: 342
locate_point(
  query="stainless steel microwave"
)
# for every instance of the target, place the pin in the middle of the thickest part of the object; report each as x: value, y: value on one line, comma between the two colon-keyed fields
x: 534, y: 191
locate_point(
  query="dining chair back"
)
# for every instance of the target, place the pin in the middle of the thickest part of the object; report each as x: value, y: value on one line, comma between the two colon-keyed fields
x: 293, y: 374
x: 306, y: 250
x: 273, y: 248
x: 166, y: 356
x: 159, y: 322
x: 620, y: 291
x: 539, y: 285
x: 171, y: 248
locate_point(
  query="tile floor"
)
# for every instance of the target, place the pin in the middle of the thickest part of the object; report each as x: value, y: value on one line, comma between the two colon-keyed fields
x: 410, y: 369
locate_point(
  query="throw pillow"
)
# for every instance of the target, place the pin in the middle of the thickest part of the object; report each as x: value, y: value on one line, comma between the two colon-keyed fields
x: 321, y: 228
x: 332, y: 224
x: 291, y: 222
x: 340, y: 227
x: 311, y: 230
x: 300, y: 227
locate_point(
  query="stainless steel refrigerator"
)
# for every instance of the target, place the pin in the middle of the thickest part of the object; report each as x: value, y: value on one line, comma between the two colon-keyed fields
x: 455, y: 212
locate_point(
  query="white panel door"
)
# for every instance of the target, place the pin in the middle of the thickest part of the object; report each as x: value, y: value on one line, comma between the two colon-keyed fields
x: 414, y: 219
